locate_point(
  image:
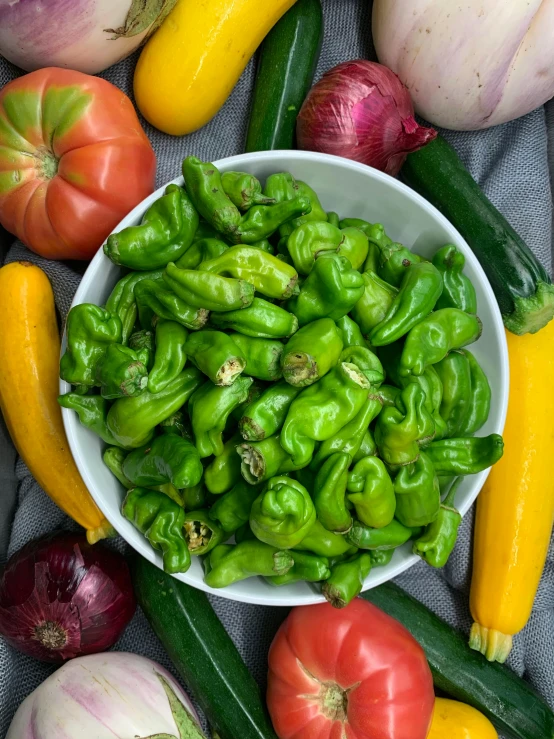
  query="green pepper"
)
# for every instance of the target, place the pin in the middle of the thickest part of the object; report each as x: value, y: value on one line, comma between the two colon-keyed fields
x: 209, y: 409
x: 178, y: 424
x: 261, y: 460
x: 201, y: 251
x: 306, y: 477
x: 283, y: 513
x: 224, y: 470
x: 265, y: 416
x: 394, y: 260
x: 280, y: 186
x: 90, y: 330
x: 244, y: 190
x: 401, y: 429
x: 306, y: 568
x: 321, y: 410
x: 325, y: 543
x: 390, y: 536
x: 113, y: 459
x: 262, y: 221
x: 465, y: 456
x: 455, y: 376
x: 154, y: 300
x: 93, y: 413
x: 480, y: 401
x: 458, y: 289
x: 170, y: 357
x: 367, y: 362
x: 439, y: 538
x: 330, y: 493
x: 420, y: 289
x: 381, y: 557
x: 432, y: 339
x: 204, y: 231
x: 375, y: 233
x: 333, y: 218
x: 120, y: 373
x: 228, y: 564
x: 122, y: 300
x: 371, y: 492
x: 315, y: 213
x: 331, y: 290
x: 263, y: 356
x: 368, y: 447
x: 164, y: 234
x: 216, y: 355
x: 367, y: 228
x: 232, y: 509
x: 161, y: 521
x: 350, y: 332
x: 347, y: 580
x: 167, y: 458
x: 264, y: 245
x: 202, y: 534
x: 142, y: 342
x: 307, y: 242
x: 206, y: 290
x: 194, y: 497
x: 131, y: 421
x: 204, y: 186
x: 417, y: 491
x: 254, y: 392
x: 354, y: 246
x: 262, y: 320
x: 311, y: 352
x: 388, y: 394
x: 374, y: 304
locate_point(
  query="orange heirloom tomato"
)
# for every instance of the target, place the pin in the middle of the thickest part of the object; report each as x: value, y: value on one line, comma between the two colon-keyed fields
x: 73, y: 161
x: 350, y: 673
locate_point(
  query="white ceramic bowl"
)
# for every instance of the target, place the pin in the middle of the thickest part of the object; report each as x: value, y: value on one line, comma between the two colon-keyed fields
x: 352, y: 190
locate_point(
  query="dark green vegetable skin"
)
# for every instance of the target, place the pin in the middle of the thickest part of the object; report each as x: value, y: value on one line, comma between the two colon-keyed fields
x: 288, y: 59
x: 507, y: 700
x: 202, y: 653
x: 521, y: 284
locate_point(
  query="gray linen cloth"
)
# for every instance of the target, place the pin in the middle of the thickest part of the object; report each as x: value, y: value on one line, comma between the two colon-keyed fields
x: 511, y: 162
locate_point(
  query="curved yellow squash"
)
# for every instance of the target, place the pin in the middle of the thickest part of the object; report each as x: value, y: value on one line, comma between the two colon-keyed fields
x: 453, y: 720
x: 515, y: 510
x: 29, y: 368
x: 190, y: 65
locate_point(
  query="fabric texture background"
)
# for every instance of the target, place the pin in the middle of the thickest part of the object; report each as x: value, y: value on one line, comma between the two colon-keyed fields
x: 514, y: 163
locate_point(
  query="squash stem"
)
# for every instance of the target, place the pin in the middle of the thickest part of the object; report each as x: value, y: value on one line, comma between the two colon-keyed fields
x: 104, y: 531
x: 493, y: 644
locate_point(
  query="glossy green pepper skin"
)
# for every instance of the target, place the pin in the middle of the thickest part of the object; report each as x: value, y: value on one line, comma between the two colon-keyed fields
x: 161, y: 521
x: 367, y: 362
x: 205, y: 231
x: 325, y: 543
x: 122, y: 300
x: 375, y: 233
x: 329, y: 493
x: 216, y: 355
x: 419, y: 291
x: 178, y: 424
x: 455, y: 377
x: 371, y: 492
x: 458, y: 291
x: 90, y: 330
x: 373, y: 306
x: 439, y: 538
x: 223, y: 472
x: 394, y: 260
x: 170, y: 356
x: 465, y: 456
x: 209, y: 408
x: 432, y: 339
x: 311, y: 352
x: 244, y: 190
x: 154, y: 300
x: 262, y: 221
x: 195, y: 497
x: 388, y: 537
x: 350, y: 332
x: 164, y: 234
x: 381, y: 557
x: 263, y: 356
x: 347, y: 579
x: 113, y: 458
x: 306, y: 568
x: 202, y: 533
x: 120, y: 373
x: 205, y: 188
x: 316, y: 212
x: 331, y: 290
x: 209, y: 291
x: 93, y: 413
x: 321, y: 410
x: 401, y: 429
x: 280, y: 186
x: 167, y: 458
x: 333, y: 218
x: 309, y: 241
x: 368, y: 447
x: 270, y: 276
x: 262, y: 320
x: 283, y: 513
x: 354, y: 246
x: 388, y: 394
x: 480, y: 401
x: 417, y: 491
x: 201, y: 251
x: 261, y: 460
x: 228, y: 564
x: 131, y: 421
x: 265, y: 416
x: 232, y: 510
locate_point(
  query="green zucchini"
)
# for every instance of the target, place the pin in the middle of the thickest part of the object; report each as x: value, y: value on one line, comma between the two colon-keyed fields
x: 521, y: 284
x: 507, y: 700
x: 202, y: 653
x: 286, y: 67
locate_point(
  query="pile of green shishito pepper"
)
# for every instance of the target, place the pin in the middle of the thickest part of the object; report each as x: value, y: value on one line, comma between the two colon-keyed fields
x: 236, y: 374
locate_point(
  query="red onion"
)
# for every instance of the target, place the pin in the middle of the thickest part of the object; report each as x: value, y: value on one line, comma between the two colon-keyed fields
x: 360, y: 110
x: 60, y: 598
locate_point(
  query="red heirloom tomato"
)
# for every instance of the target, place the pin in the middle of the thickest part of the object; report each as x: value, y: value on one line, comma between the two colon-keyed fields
x: 73, y: 161
x: 351, y: 673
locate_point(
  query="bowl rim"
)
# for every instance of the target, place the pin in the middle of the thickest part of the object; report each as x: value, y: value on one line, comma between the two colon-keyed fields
x: 71, y: 423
